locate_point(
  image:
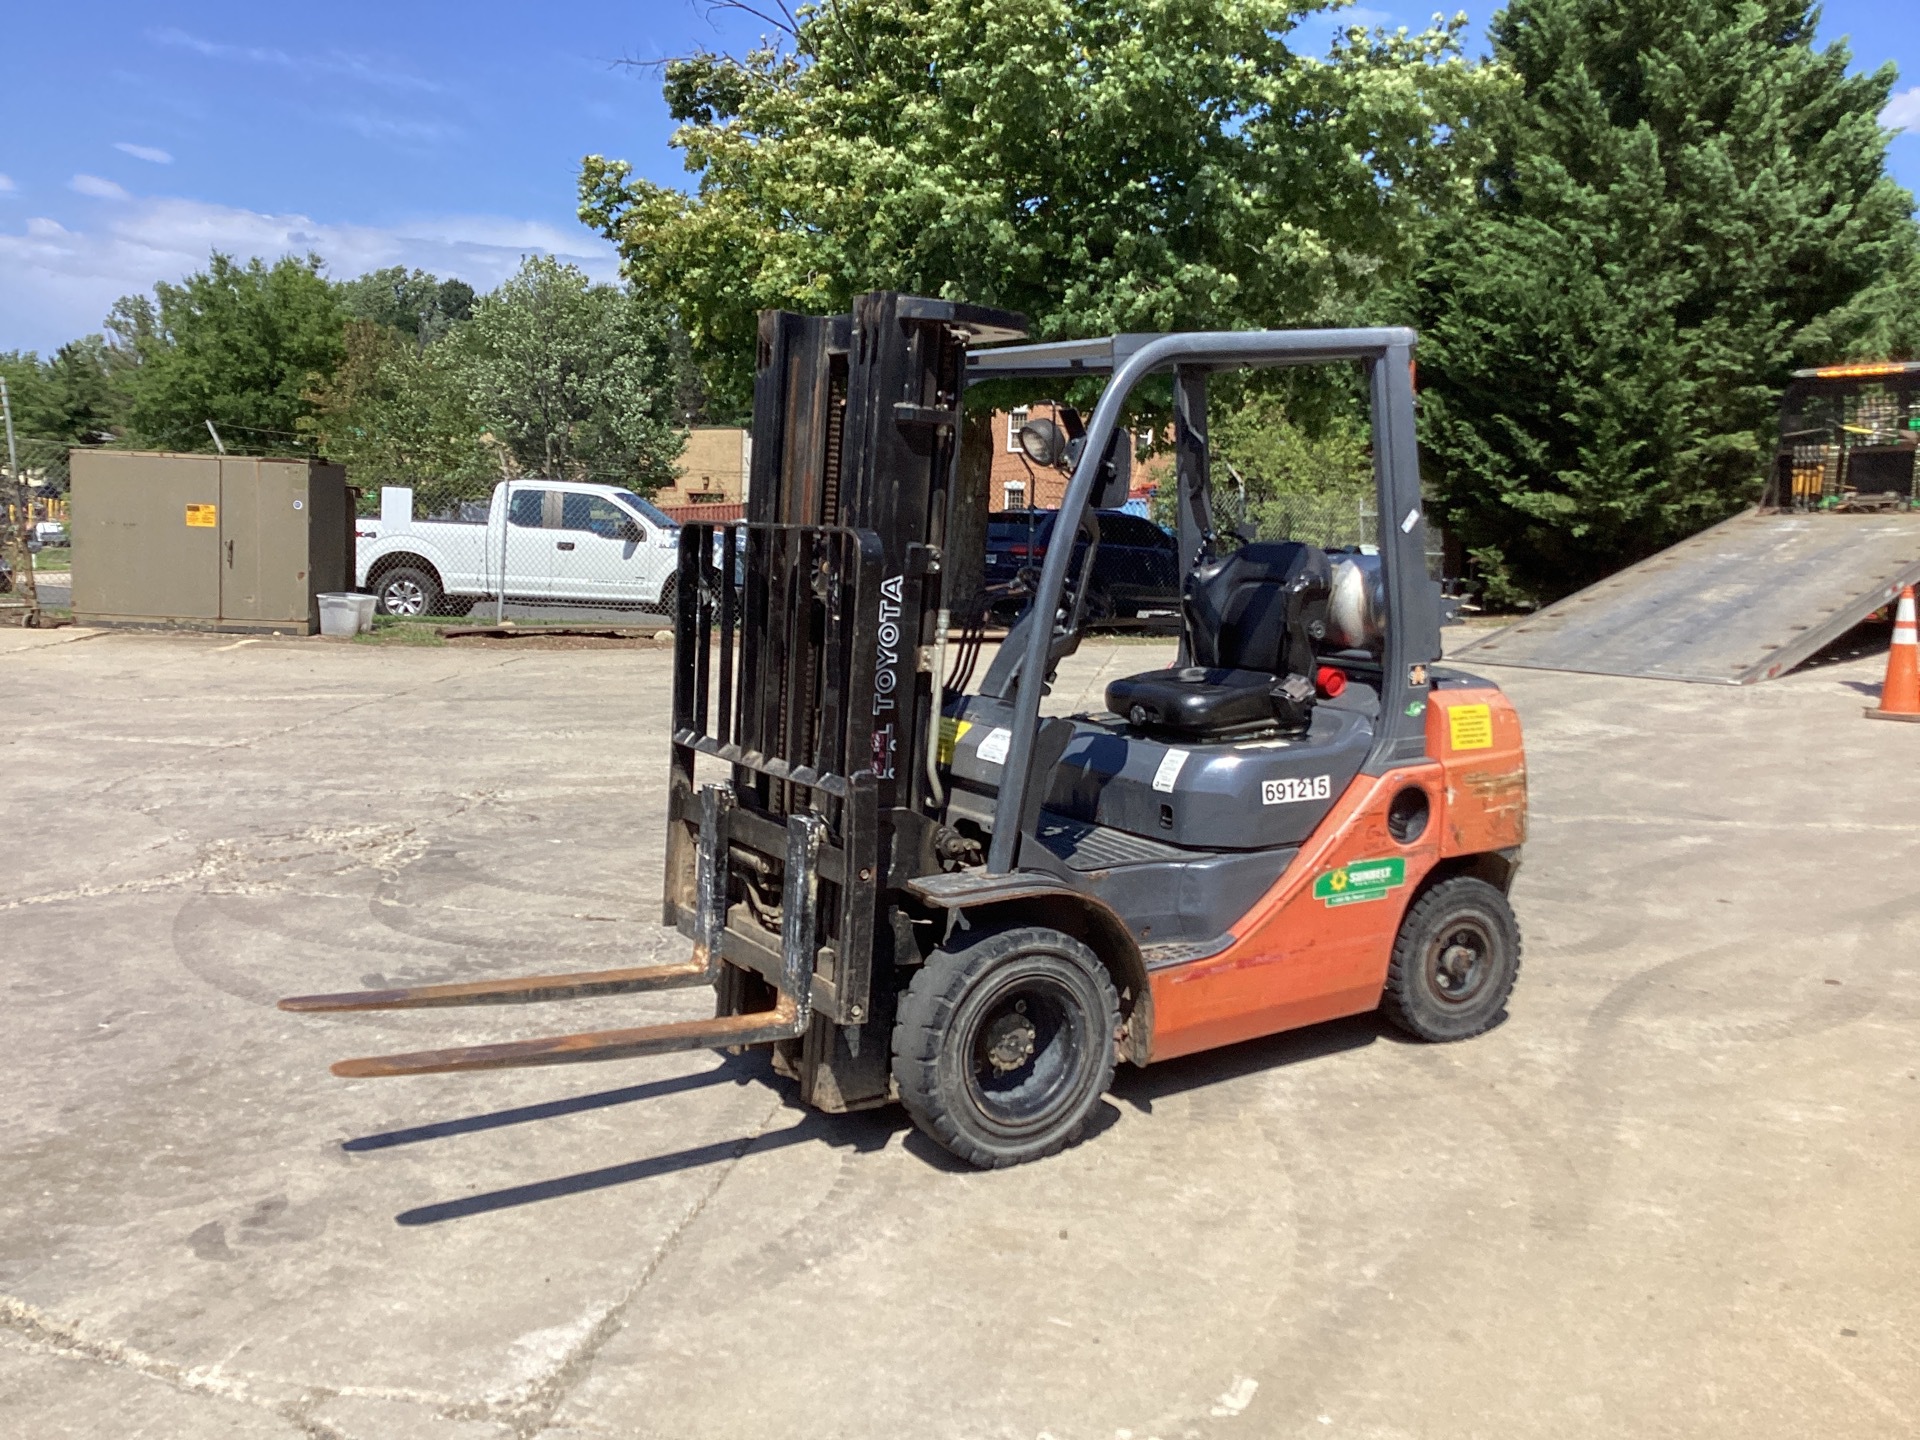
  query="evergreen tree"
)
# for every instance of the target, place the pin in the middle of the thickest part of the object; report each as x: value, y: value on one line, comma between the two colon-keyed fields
x: 1688, y: 199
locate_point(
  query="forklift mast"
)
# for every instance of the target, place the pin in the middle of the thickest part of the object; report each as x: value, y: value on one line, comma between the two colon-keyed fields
x: 830, y: 593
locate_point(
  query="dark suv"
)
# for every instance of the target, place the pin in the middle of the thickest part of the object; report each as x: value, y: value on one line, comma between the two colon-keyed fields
x: 1137, y: 567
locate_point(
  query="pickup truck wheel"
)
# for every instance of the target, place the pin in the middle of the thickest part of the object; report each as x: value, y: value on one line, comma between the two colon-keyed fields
x: 669, y: 595
x: 1004, y: 1043
x: 408, y: 591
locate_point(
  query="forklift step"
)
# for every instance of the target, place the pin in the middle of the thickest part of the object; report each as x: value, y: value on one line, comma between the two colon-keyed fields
x: 518, y: 990
x: 783, y: 1022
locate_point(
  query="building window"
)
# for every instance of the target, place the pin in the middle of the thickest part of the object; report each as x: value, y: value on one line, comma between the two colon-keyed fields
x: 1013, y: 495
x: 1015, y: 419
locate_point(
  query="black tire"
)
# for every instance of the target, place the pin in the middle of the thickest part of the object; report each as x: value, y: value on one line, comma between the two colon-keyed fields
x: 1004, y: 1044
x: 669, y: 597
x: 408, y: 591
x: 1454, y: 963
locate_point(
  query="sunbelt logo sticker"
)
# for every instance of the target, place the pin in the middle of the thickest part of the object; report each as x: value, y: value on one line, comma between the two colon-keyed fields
x: 1359, y: 880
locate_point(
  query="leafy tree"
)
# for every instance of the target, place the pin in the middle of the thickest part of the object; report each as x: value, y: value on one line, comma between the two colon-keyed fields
x: 240, y: 345
x: 420, y: 306
x: 30, y: 393
x: 1686, y: 200
x: 1100, y: 165
x: 397, y: 414
x: 66, y: 400
x: 575, y: 379
x: 89, y: 411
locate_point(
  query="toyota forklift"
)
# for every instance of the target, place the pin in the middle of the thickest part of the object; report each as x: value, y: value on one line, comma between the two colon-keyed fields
x: 918, y: 889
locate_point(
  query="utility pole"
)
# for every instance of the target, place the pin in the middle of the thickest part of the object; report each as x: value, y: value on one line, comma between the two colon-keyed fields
x: 23, y: 580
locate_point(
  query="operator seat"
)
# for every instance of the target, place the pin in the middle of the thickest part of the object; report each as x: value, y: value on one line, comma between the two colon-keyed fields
x: 1252, y: 617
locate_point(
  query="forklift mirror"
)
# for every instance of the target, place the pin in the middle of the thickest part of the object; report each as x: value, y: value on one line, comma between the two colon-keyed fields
x: 1044, y: 442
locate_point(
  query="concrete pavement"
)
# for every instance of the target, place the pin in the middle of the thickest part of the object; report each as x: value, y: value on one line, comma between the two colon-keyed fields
x: 1671, y: 1196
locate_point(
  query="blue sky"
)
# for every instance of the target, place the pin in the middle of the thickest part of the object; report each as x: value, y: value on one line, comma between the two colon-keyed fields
x: 137, y: 137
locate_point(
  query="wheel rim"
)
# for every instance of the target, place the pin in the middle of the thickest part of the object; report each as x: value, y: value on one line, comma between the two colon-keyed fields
x: 403, y: 597
x: 1023, y: 1051
x: 1460, y: 962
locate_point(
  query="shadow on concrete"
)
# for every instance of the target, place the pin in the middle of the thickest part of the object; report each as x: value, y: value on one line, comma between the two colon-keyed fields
x: 734, y: 1070
x: 863, y: 1132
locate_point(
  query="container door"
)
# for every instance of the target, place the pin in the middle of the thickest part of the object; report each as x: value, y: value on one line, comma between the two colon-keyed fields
x: 263, y: 542
x: 239, y: 540
x: 146, y: 536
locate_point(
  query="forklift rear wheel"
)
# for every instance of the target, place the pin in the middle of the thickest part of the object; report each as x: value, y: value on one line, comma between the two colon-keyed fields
x: 1004, y: 1044
x: 1455, y: 961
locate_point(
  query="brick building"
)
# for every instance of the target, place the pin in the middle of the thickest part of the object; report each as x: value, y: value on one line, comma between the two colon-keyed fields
x: 1017, y: 483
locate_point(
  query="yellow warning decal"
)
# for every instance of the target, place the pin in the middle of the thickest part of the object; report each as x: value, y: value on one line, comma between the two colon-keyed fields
x: 1470, y: 727
x: 204, y: 517
x: 950, y: 732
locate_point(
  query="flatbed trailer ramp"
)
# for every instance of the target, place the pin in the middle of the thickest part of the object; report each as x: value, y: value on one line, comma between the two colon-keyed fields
x: 1746, y: 600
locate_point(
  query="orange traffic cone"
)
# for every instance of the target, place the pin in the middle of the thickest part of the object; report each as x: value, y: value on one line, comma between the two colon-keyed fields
x: 1900, y: 696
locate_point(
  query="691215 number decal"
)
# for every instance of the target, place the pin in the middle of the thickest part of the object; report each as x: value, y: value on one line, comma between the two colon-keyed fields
x: 1292, y: 790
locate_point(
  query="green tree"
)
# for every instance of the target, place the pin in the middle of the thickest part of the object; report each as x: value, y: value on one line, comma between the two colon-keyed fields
x: 575, y: 379
x: 1100, y: 165
x: 420, y: 306
x: 1686, y: 200
x: 57, y: 403
x: 398, y: 414
x: 31, y: 393
x: 239, y: 345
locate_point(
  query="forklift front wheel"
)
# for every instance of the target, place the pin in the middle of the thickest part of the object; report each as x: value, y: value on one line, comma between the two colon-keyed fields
x: 1004, y: 1043
x: 1454, y: 962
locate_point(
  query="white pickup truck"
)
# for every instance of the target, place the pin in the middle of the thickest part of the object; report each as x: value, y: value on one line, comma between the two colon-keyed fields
x: 559, y: 543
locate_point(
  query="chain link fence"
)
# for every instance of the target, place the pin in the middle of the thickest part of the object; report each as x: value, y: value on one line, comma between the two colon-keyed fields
x: 35, y: 531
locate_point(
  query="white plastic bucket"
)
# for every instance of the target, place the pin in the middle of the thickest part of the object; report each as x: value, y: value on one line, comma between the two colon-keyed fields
x: 363, y: 608
x: 340, y: 616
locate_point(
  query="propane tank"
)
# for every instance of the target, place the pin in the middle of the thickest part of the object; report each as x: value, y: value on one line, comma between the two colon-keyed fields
x: 1357, y: 606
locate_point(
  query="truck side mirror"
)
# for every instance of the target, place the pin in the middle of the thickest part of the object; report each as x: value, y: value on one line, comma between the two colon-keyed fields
x: 630, y: 532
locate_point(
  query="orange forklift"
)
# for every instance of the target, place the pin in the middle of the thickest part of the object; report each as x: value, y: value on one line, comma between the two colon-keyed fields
x: 923, y: 890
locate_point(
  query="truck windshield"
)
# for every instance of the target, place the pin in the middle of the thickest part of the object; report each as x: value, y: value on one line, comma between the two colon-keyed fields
x: 646, y: 508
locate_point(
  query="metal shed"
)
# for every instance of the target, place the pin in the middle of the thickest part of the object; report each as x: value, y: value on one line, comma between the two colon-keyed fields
x: 207, y: 541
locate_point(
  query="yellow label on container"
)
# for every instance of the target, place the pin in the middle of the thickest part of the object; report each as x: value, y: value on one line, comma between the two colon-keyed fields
x: 204, y: 517
x: 1470, y: 727
x: 950, y: 732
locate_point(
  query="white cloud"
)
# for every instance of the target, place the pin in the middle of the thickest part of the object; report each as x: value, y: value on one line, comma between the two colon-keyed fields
x: 333, y: 64
x: 152, y: 154
x: 7, y: 187
x: 57, y: 283
x: 1903, y: 111
x: 98, y: 188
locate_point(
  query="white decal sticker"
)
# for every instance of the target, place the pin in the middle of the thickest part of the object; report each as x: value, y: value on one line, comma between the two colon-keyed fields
x: 1292, y: 790
x: 1169, y: 771
x: 1413, y: 519
x: 993, y: 749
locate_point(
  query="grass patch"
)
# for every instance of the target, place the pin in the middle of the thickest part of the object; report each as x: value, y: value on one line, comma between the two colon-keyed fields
x: 54, y: 557
x: 390, y: 630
